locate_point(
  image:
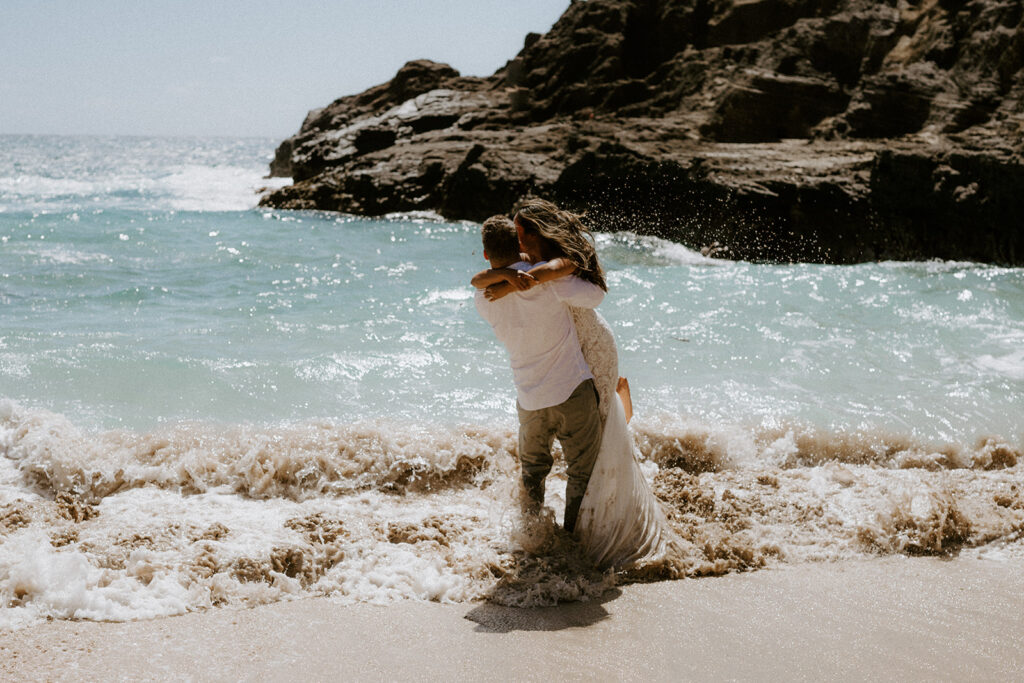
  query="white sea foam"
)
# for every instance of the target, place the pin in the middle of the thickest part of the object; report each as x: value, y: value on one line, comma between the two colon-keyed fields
x: 204, y: 188
x: 629, y: 246
x: 678, y: 254
x: 33, y: 187
x: 1010, y: 365
x: 187, y: 188
x: 419, y: 217
x: 446, y: 296
x: 120, y: 525
x: 62, y: 256
x: 37, y: 579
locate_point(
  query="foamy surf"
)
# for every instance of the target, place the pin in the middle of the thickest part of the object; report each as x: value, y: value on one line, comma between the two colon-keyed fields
x: 121, y: 525
x: 73, y: 174
x: 211, y: 406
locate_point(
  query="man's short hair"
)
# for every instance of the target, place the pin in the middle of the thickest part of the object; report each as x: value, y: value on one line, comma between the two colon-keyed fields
x: 500, y: 239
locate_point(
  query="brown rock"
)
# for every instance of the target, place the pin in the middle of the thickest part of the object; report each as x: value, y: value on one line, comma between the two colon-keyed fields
x: 821, y: 130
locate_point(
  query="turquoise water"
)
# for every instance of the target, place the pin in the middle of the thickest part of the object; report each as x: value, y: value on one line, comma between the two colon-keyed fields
x: 140, y: 285
x: 204, y: 403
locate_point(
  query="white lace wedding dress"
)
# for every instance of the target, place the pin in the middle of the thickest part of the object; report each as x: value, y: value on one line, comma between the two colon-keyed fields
x: 620, y: 521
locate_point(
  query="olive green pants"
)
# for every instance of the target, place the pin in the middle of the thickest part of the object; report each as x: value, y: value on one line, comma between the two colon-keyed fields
x: 577, y: 425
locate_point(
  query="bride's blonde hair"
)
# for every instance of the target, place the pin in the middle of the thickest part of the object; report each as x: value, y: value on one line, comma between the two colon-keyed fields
x: 566, y: 231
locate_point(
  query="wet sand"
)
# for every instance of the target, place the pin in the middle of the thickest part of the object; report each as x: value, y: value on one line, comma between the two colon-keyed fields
x: 887, y: 619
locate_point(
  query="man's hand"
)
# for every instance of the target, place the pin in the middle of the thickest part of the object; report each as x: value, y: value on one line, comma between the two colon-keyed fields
x: 498, y: 290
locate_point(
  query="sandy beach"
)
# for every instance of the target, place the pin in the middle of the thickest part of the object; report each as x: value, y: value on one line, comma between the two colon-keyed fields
x: 889, y: 619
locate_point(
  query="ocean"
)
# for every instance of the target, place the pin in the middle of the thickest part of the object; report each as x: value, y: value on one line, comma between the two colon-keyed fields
x: 205, y: 404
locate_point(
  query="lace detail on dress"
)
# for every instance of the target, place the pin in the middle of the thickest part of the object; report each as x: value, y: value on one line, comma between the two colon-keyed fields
x: 598, y: 345
x: 620, y: 522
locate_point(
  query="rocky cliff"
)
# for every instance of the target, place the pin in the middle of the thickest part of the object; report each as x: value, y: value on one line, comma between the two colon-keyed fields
x: 813, y: 130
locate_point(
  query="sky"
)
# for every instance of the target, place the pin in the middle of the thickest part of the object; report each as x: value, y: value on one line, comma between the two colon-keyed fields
x: 227, y: 67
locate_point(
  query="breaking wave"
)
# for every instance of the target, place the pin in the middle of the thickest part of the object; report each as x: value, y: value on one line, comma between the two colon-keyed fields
x: 123, y: 525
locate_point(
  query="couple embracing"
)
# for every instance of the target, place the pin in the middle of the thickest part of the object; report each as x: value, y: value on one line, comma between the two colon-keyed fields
x: 539, y: 296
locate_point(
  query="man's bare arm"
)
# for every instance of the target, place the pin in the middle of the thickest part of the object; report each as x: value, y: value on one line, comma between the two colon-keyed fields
x: 518, y: 279
x: 545, y: 272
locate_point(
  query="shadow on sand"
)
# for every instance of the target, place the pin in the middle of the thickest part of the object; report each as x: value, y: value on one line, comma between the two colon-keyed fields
x: 491, y: 618
x: 549, y: 583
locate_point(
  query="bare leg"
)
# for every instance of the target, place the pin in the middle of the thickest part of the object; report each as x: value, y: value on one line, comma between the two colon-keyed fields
x: 622, y: 389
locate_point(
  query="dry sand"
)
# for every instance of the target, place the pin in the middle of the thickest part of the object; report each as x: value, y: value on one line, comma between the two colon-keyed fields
x: 888, y: 619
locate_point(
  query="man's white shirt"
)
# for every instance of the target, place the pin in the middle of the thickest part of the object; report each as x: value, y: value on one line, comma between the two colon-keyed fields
x: 536, y: 328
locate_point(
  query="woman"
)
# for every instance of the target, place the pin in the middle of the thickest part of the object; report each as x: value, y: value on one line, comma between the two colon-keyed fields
x: 620, y: 522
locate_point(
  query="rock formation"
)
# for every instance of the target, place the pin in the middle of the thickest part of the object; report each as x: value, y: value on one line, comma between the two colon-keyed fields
x: 812, y: 130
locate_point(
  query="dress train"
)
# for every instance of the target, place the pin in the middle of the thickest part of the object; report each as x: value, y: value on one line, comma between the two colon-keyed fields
x: 620, y: 520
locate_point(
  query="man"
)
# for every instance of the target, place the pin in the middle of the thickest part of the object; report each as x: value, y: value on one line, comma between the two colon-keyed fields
x: 554, y: 385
